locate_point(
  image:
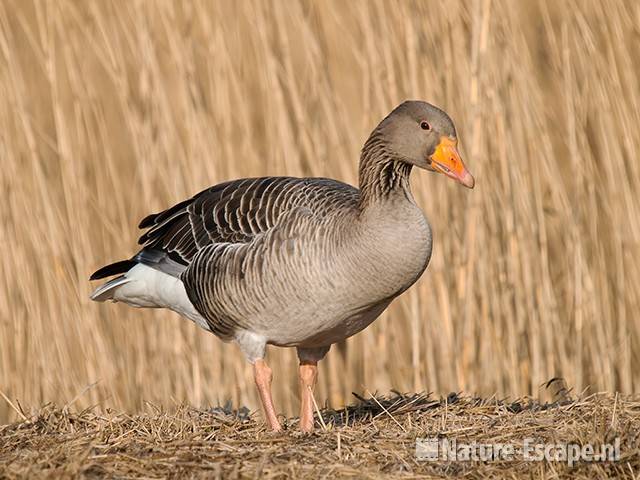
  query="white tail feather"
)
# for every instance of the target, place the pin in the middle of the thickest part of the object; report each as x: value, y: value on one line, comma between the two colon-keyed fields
x: 106, y: 291
x: 146, y: 287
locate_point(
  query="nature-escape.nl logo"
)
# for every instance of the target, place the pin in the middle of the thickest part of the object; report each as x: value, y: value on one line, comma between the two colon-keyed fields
x: 444, y: 449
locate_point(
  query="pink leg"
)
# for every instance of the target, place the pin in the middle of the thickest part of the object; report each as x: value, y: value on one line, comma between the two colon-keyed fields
x: 308, y: 374
x: 263, y: 376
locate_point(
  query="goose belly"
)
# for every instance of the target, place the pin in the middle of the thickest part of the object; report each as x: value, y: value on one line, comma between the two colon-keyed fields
x: 324, y: 333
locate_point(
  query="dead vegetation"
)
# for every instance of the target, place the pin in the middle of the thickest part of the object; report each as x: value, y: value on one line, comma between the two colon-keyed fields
x: 372, y: 439
x: 110, y: 110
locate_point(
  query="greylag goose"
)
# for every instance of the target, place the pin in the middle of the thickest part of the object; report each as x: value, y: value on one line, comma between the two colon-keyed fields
x: 295, y: 262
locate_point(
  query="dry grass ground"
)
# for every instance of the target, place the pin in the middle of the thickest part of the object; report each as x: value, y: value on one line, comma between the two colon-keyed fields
x: 378, y: 442
x: 111, y: 109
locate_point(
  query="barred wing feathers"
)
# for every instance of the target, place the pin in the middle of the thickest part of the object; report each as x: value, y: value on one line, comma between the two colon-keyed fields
x: 232, y: 212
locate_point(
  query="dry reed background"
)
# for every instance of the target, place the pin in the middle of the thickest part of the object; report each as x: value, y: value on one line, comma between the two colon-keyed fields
x: 110, y: 110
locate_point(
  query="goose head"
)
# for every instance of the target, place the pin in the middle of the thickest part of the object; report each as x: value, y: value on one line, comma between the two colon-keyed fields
x: 421, y: 134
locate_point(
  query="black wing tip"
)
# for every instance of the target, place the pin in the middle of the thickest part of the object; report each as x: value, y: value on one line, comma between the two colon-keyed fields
x: 147, y: 221
x: 112, y: 269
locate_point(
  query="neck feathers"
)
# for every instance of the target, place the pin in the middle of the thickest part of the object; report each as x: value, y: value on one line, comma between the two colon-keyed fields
x: 381, y: 173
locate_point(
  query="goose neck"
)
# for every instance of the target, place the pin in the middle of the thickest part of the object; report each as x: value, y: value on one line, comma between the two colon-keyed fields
x: 381, y: 174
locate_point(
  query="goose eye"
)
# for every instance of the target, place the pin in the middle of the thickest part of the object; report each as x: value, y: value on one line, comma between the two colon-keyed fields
x: 425, y: 125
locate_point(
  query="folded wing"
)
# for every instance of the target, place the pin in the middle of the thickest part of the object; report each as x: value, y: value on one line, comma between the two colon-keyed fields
x: 230, y: 212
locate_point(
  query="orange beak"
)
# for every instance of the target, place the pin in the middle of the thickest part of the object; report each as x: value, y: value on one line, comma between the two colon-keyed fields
x: 446, y: 159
